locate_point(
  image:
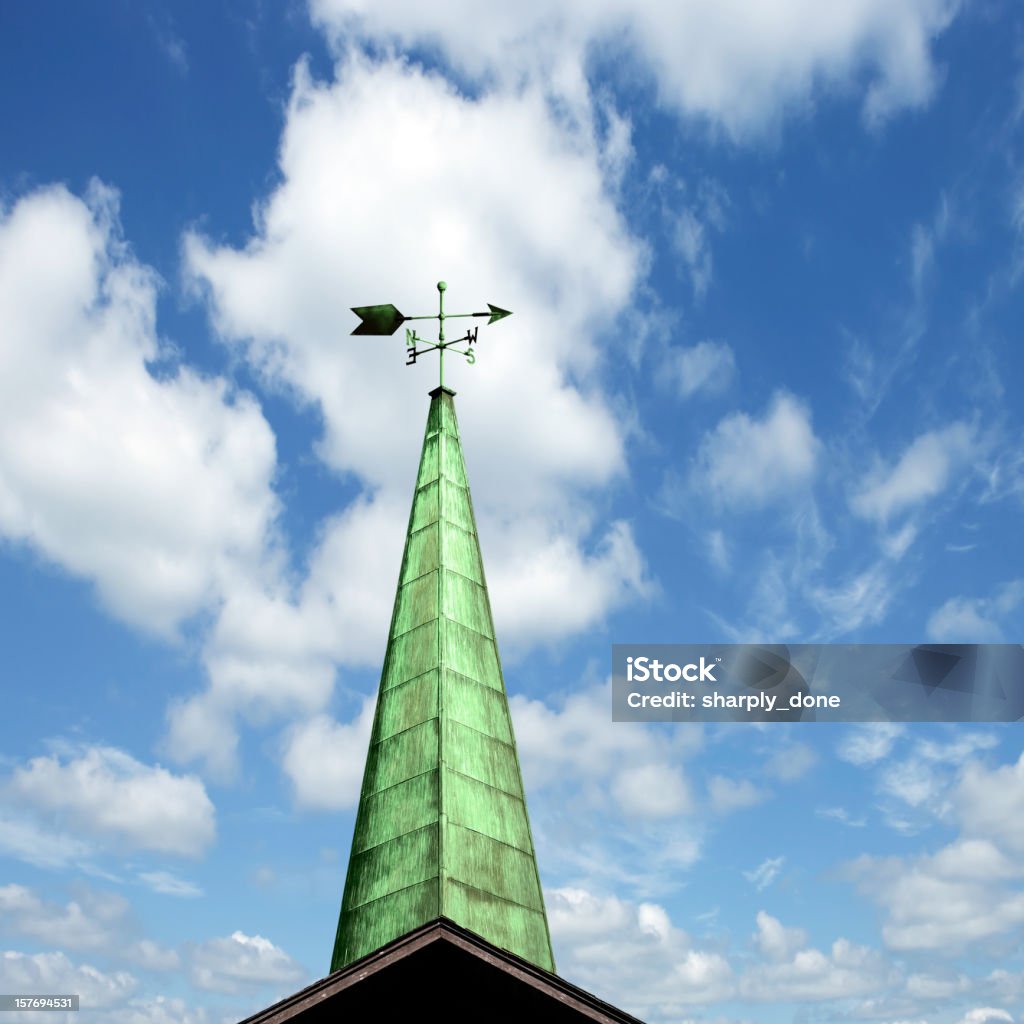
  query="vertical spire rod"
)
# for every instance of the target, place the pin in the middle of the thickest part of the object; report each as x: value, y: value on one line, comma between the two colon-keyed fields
x: 440, y: 316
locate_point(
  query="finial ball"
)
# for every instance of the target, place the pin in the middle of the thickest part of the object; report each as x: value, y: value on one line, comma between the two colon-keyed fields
x: 441, y: 286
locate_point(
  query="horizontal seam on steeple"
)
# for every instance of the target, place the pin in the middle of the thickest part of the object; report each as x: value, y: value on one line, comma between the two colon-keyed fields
x: 437, y: 718
x: 441, y: 615
x: 493, y: 895
x: 486, y: 735
x: 493, y: 839
x: 457, y: 824
x: 411, y: 832
x: 402, y: 782
x: 473, y: 778
x: 442, y: 519
x: 437, y: 568
x: 422, y: 881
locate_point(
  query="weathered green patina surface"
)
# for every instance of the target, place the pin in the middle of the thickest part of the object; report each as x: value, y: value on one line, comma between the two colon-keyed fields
x: 442, y: 827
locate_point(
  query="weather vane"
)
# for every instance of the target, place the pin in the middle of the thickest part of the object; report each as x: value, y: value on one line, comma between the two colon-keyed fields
x: 381, y: 320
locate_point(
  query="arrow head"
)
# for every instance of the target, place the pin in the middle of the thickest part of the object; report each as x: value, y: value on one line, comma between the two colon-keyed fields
x: 379, y: 320
x: 497, y: 313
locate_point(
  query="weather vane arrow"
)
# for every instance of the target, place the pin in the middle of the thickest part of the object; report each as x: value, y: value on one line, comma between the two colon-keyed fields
x: 386, y: 319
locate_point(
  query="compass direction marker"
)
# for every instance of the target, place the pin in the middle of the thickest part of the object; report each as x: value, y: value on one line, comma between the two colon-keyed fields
x: 386, y: 319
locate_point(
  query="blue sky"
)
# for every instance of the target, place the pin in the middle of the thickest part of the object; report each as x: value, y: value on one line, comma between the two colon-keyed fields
x: 766, y: 263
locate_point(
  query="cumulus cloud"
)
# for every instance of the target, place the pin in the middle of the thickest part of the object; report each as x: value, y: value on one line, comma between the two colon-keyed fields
x: 774, y: 940
x: 239, y: 962
x: 948, y: 901
x: 969, y: 891
x: 977, y: 620
x: 982, y: 1014
x: 990, y: 803
x: 325, y: 759
x: 27, y: 840
x: 579, y: 742
x: 727, y: 795
x: 748, y: 462
x: 544, y: 586
x: 922, y: 472
x: 608, y: 806
x: 632, y: 954
x: 809, y: 974
x: 915, y: 786
x: 869, y: 743
x: 706, y: 366
x: 113, y: 797
x: 567, y: 267
x: 787, y: 53
x: 652, y: 791
x: 54, y: 972
x: 93, y: 920
x: 151, y: 488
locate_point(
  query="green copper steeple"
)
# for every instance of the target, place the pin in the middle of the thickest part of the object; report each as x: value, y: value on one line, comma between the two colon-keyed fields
x: 442, y: 829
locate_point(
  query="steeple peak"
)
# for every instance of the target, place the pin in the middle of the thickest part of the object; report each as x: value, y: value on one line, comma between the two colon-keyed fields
x: 442, y: 829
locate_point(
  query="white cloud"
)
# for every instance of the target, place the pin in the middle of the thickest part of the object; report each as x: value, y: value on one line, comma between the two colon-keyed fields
x: 936, y: 985
x: 948, y: 901
x: 691, y: 244
x: 869, y: 743
x: 93, y: 920
x: 592, y: 782
x: 990, y: 803
x: 325, y: 759
x: 748, y: 462
x: 774, y: 940
x: 739, y: 66
x: 718, y: 550
x: 863, y: 598
x: 567, y: 265
x: 915, y: 788
x: 652, y: 791
x: 912, y: 782
x: 976, y: 620
x: 110, y: 795
x: 54, y: 972
x: 168, y: 884
x: 632, y: 954
x: 847, y: 970
x: 765, y: 873
x: 981, y: 1014
x: 707, y: 366
x: 922, y: 472
x: 26, y: 840
x: 151, y: 488
x: 151, y: 956
x: 727, y: 795
x: 544, y: 585
x: 792, y: 762
x: 563, y: 266
x: 240, y: 962
x: 159, y: 1010
x: 843, y: 816
x: 96, y: 920
x: 580, y: 743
